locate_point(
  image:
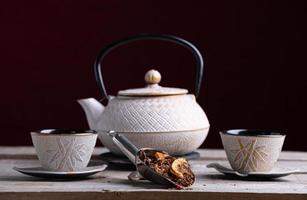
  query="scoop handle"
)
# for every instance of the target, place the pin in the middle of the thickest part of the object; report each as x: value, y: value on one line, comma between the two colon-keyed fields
x: 125, y: 145
x: 148, y: 36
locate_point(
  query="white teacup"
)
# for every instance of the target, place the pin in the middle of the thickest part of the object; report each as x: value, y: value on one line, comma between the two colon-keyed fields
x: 64, y: 150
x: 252, y: 150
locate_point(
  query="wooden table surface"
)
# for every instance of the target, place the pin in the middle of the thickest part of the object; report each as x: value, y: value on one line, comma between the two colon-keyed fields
x: 113, y: 183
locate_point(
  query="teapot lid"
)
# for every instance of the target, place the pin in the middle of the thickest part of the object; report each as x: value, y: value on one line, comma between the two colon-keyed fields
x: 152, y: 78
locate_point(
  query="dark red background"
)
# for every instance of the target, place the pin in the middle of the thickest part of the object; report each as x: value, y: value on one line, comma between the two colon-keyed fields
x: 255, y: 53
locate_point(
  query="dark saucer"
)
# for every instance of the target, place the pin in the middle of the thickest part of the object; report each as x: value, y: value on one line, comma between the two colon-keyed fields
x: 40, y: 172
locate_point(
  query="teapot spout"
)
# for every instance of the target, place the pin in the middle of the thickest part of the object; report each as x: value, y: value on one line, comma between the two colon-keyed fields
x: 93, y: 109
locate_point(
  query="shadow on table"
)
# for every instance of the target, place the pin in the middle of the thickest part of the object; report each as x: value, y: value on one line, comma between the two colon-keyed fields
x: 25, y: 178
x: 141, y: 184
x: 236, y: 178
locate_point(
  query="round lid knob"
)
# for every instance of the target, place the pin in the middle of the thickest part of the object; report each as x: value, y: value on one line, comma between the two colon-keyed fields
x: 153, y: 77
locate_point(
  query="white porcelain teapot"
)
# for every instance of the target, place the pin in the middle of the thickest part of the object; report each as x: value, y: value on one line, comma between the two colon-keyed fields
x: 159, y: 117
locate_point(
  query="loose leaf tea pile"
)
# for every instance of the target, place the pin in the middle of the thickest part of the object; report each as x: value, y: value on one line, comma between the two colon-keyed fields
x: 177, y: 170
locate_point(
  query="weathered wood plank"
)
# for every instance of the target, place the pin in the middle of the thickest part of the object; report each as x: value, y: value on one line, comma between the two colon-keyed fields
x: 113, y: 183
x: 147, y: 196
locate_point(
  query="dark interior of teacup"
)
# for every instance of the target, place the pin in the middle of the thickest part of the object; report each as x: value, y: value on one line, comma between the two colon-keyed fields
x: 65, y: 131
x: 251, y: 132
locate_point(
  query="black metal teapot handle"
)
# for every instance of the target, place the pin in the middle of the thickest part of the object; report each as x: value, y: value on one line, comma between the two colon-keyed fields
x: 145, y: 36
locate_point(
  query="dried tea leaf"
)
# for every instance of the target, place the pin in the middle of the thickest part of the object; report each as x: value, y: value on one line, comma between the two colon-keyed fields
x: 160, y: 156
